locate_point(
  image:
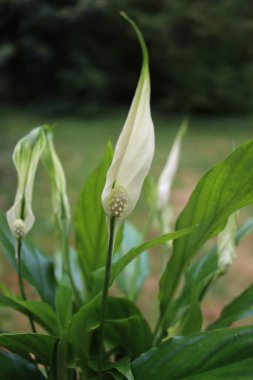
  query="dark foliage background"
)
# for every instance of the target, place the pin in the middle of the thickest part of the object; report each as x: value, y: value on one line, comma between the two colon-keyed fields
x: 80, y: 53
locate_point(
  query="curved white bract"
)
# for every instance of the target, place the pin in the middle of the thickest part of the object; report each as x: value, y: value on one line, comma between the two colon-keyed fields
x: 26, y: 156
x: 61, y: 207
x: 167, y: 176
x: 135, y: 147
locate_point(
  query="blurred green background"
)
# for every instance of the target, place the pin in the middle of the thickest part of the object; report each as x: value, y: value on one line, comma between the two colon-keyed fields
x: 75, y: 64
x: 73, y: 54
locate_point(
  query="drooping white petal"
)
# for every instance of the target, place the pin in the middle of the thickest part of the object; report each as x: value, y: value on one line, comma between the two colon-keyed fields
x: 26, y: 156
x: 61, y: 207
x: 167, y: 176
x: 135, y: 147
x: 226, y: 247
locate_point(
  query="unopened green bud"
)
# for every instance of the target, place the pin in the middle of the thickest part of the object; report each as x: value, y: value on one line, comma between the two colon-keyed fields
x: 26, y: 156
x: 55, y: 170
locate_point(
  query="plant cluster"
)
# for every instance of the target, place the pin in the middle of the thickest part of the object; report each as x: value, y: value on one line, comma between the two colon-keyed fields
x: 78, y: 331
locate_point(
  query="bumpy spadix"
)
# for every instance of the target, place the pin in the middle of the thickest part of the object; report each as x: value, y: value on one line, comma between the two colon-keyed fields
x: 134, y: 149
x: 26, y: 156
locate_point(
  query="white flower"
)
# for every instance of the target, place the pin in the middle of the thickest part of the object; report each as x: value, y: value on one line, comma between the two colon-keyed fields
x: 26, y: 156
x: 55, y: 170
x: 167, y: 176
x: 226, y: 247
x: 134, y: 150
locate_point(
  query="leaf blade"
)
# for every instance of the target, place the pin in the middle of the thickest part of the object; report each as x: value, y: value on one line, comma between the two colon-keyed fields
x: 221, y: 191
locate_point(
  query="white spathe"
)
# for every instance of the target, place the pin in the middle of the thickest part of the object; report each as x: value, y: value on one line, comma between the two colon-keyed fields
x: 226, y: 246
x: 135, y: 147
x: 26, y: 156
x: 169, y: 171
x: 61, y: 207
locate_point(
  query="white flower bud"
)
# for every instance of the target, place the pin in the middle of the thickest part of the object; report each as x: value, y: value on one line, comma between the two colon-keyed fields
x: 134, y: 149
x: 226, y: 247
x: 167, y: 176
x: 26, y: 156
x: 61, y: 207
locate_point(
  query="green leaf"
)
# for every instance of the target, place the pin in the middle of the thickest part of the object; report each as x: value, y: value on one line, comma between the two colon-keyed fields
x: 240, y: 308
x: 90, y: 220
x: 126, y: 328
x: 236, y: 371
x: 200, y: 274
x: 59, y: 364
x: 63, y: 305
x: 121, y: 369
x: 118, y: 266
x: 193, y: 319
x: 223, y: 190
x: 207, y: 265
x: 37, y: 268
x: 197, y: 354
x: 131, y: 279
x: 14, y: 367
x: 83, y: 323
x: 41, y: 346
x: 41, y: 312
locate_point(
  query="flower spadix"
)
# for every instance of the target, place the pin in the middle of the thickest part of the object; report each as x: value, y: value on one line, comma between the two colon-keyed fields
x: 61, y: 207
x: 134, y: 149
x: 26, y: 156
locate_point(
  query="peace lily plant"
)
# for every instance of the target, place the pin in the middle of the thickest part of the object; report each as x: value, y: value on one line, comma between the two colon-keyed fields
x: 78, y: 331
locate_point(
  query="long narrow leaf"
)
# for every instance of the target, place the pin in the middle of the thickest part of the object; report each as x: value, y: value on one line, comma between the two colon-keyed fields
x: 90, y: 220
x: 197, y: 354
x: 223, y: 190
x: 41, y: 312
x: 240, y: 308
x: 119, y: 265
x: 15, y: 367
x: 37, y: 268
x: 41, y: 346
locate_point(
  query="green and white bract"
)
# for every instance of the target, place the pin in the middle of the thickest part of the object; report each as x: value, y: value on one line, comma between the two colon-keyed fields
x: 135, y: 147
x: 26, y: 156
x: 226, y: 246
x: 61, y: 207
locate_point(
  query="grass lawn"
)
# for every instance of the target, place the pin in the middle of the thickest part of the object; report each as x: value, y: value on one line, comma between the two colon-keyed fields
x: 80, y: 142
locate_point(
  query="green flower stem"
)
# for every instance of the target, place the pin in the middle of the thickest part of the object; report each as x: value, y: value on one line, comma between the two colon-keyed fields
x: 105, y: 296
x: 20, y: 279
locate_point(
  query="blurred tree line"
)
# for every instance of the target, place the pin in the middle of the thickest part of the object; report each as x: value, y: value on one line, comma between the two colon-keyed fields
x: 72, y: 53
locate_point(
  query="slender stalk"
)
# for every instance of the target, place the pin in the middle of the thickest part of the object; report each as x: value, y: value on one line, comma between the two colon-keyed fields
x: 105, y: 296
x: 20, y: 279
